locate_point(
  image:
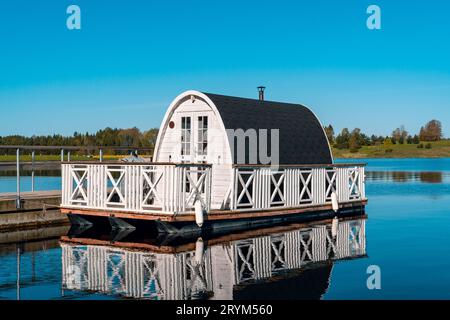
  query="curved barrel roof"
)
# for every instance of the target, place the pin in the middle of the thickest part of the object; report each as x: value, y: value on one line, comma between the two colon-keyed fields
x: 302, y: 138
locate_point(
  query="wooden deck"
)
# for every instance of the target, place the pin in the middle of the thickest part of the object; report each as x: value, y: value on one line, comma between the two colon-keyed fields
x: 213, y: 215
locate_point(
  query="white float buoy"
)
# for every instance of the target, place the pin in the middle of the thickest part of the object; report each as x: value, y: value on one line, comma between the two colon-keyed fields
x: 199, y: 249
x: 334, y: 202
x: 334, y: 227
x: 198, y: 213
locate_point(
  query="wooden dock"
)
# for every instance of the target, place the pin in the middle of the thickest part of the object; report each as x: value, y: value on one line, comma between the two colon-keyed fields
x: 28, y: 165
x: 40, y: 208
x: 37, y: 200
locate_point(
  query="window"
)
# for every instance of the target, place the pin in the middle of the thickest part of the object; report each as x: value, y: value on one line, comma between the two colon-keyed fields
x: 185, y: 136
x: 202, y: 144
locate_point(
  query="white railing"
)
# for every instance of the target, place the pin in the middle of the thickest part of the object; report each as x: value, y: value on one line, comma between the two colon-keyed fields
x: 263, y: 187
x: 166, y: 188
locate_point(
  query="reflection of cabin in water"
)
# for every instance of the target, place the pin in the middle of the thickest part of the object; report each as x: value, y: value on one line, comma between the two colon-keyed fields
x: 220, y: 158
x: 291, y: 262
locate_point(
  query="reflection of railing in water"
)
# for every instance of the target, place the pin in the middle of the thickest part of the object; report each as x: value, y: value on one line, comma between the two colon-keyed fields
x: 213, y: 272
x: 405, y: 176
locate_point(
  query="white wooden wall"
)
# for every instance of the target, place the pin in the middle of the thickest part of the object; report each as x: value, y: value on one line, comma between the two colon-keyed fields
x: 218, y: 152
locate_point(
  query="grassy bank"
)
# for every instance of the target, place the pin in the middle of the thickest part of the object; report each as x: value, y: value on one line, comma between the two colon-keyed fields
x: 440, y: 149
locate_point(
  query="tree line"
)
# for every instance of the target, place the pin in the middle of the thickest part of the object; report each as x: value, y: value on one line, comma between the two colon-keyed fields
x: 135, y: 138
x: 355, y: 139
x: 132, y: 137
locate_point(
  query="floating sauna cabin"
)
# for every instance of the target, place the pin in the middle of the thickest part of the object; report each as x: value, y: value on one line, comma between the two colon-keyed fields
x: 219, y: 159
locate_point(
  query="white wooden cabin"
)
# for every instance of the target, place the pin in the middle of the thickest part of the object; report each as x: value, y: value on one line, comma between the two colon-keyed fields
x: 204, y: 154
x: 194, y: 131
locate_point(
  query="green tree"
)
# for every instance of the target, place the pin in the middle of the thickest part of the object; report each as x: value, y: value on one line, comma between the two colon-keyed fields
x: 432, y: 131
x: 149, y: 138
x: 329, y: 131
x: 342, y: 140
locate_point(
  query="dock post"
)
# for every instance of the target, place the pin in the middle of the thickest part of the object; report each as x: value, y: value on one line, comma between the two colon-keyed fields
x: 18, y: 202
x: 62, y: 155
x: 18, y: 274
x: 68, y: 156
x: 101, y: 155
x: 32, y: 171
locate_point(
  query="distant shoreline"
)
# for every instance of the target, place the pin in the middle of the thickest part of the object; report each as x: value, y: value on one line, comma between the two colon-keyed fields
x: 438, y: 149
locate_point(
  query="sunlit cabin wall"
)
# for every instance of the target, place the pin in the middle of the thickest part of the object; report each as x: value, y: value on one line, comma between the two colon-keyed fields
x: 218, y: 153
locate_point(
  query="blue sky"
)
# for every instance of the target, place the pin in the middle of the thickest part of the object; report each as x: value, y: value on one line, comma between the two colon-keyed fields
x: 131, y: 58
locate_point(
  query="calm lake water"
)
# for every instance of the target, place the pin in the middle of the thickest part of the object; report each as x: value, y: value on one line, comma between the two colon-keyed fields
x: 406, y: 235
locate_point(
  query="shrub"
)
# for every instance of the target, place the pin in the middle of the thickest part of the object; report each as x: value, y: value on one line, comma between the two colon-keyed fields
x: 341, y: 146
x: 420, y: 146
x: 428, y: 146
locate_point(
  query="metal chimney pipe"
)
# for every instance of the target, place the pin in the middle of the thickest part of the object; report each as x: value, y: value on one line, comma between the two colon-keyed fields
x: 261, y: 92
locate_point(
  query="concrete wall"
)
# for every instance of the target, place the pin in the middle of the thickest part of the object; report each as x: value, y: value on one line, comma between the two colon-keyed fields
x: 18, y: 220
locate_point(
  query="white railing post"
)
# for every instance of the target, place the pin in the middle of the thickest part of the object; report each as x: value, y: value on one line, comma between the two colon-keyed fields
x: 208, y: 181
x: 362, y: 182
x: 63, y: 184
x: 234, y: 189
x: 266, y: 181
x: 90, y: 186
x: 318, y: 186
x: 342, y: 184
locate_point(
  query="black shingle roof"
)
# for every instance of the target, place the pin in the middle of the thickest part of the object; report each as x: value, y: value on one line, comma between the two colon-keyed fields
x: 302, y: 140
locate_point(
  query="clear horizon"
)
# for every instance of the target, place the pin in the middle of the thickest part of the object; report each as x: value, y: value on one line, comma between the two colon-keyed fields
x: 128, y: 62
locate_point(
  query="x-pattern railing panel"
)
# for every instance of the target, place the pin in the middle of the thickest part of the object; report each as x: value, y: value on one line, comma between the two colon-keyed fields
x: 245, y: 185
x: 245, y: 262
x: 198, y: 181
x: 116, y: 186
x: 278, y: 254
x: 152, y: 283
x: 306, y: 246
x: 80, y: 179
x: 277, y: 188
x: 305, y: 187
x: 332, y: 250
x: 355, y: 237
x: 331, y: 176
x: 354, y: 180
x: 80, y: 260
x: 115, y: 264
x: 152, y: 178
